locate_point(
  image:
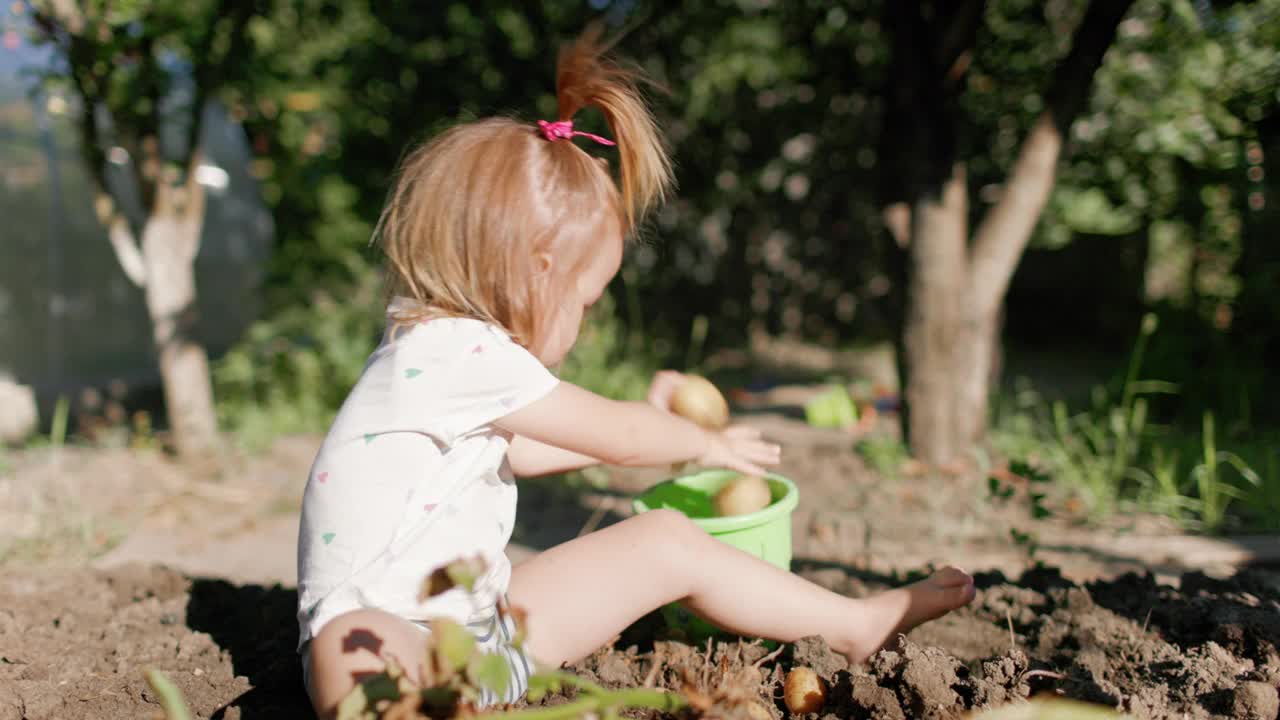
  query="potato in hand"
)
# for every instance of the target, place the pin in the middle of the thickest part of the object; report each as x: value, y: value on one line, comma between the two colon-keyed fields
x: 697, y: 399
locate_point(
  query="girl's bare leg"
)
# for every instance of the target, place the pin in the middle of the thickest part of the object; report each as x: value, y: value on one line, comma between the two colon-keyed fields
x: 581, y: 594
x: 352, y: 646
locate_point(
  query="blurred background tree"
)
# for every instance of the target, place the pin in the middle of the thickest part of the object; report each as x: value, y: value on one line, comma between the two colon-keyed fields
x: 1144, y: 128
x: 142, y: 72
x: 955, y: 284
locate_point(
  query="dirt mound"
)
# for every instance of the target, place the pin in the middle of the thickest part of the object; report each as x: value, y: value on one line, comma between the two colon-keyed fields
x: 1206, y: 649
x: 73, y: 645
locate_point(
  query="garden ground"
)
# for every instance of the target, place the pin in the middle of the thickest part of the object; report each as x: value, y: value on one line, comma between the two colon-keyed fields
x: 118, y: 560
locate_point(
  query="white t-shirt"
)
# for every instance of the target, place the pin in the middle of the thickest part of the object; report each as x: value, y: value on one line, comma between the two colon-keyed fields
x: 413, y: 475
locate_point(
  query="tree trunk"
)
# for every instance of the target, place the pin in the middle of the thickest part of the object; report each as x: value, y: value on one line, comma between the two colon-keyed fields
x: 161, y: 261
x: 933, y: 323
x: 956, y: 288
x: 170, y: 242
x: 976, y: 352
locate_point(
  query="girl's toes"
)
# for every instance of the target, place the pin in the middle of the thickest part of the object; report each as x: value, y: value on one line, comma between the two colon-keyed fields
x: 951, y: 577
x: 957, y: 594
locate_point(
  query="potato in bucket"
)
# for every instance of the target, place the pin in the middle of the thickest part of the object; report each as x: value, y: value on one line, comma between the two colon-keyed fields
x: 742, y: 495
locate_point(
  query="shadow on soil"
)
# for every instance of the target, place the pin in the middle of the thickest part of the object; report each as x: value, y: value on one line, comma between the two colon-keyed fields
x: 258, y: 628
x: 552, y: 511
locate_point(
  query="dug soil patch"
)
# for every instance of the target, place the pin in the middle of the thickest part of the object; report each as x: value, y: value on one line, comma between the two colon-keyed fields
x: 73, y: 644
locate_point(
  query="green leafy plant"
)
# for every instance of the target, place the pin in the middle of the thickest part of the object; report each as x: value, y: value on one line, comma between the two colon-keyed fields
x: 1263, y: 498
x: 1161, y: 489
x: 1003, y: 485
x: 1026, y: 540
x: 885, y: 454
x: 1093, y: 452
x: 455, y: 672
x: 1214, y: 493
x: 293, y: 370
x: 1112, y: 454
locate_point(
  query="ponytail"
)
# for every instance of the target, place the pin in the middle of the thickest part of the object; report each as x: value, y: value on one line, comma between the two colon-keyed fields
x: 585, y: 78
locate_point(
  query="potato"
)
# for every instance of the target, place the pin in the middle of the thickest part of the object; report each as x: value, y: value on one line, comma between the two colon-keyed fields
x: 803, y: 691
x: 741, y: 495
x: 698, y: 400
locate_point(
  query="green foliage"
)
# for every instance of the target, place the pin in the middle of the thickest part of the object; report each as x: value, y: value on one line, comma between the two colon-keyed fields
x: 146, y: 67
x: 1214, y: 493
x: 1115, y: 457
x: 609, y: 360
x: 833, y: 408
x: 883, y: 453
x: 772, y: 111
x: 455, y: 671
x: 58, y: 432
x: 293, y: 370
x: 1166, y: 139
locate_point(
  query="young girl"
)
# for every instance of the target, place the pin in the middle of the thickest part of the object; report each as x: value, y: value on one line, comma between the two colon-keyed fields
x: 499, y: 236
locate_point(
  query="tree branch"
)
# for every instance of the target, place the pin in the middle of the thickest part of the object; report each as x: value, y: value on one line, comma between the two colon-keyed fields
x: 918, y: 136
x: 90, y: 135
x: 958, y: 38
x: 123, y: 242
x: 1006, y: 228
x: 897, y: 217
x: 64, y: 31
x: 209, y: 75
x: 146, y: 164
x: 1073, y: 80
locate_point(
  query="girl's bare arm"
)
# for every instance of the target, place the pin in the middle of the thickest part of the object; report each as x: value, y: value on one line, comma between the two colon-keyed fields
x: 530, y: 458
x: 633, y: 434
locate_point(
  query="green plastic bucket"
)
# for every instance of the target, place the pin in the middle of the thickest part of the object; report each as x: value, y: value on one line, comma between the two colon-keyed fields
x: 765, y: 533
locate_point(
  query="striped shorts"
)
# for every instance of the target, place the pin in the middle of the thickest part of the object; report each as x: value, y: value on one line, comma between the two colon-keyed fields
x: 496, y: 634
x: 493, y: 635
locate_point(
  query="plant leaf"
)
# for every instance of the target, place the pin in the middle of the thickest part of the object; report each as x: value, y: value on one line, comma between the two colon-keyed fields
x: 381, y: 687
x: 175, y: 708
x: 454, y: 645
x: 442, y: 699
x: 1154, y: 387
x: 460, y: 573
x: 490, y: 671
x: 355, y: 706
x: 542, y: 684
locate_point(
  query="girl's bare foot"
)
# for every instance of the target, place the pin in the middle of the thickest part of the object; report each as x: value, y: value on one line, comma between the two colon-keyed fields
x: 886, y: 615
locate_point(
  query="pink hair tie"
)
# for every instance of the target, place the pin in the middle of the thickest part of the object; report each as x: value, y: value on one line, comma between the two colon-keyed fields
x: 563, y: 130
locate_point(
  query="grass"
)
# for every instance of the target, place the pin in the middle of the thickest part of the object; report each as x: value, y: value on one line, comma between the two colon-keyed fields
x: 46, y: 522
x: 292, y: 371
x: 883, y: 454
x: 1114, y: 456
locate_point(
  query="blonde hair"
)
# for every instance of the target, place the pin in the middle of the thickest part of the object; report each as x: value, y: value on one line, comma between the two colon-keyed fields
x: 474, y: 209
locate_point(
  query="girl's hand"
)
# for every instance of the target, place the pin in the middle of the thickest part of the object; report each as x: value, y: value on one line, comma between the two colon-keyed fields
x: 740, y: 448
x: 662, y: 387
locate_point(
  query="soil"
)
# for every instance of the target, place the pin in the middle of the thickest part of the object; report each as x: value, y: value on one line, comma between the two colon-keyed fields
x: 119, y: 560
x: 75, y: 643
x: 1205, y: 649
